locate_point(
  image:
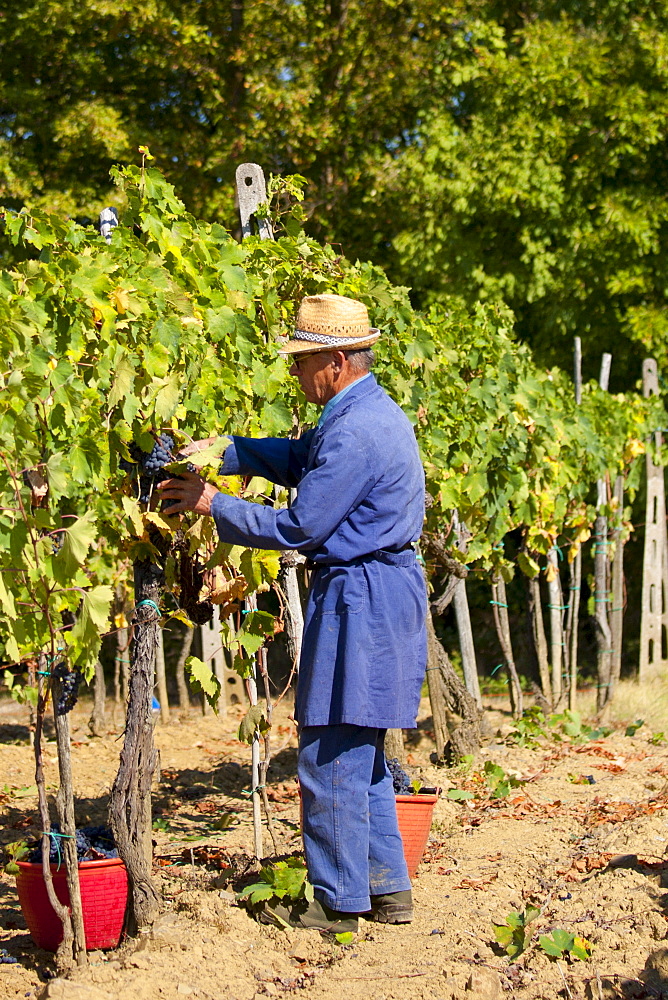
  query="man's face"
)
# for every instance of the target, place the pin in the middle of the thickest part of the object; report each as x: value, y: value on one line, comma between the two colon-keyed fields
x: 316, y: 376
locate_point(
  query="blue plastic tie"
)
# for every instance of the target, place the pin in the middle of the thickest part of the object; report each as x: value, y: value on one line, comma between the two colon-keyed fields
x: 152, y: 604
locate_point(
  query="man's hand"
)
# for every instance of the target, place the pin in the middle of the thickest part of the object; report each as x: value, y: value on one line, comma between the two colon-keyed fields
x: 192, y: 493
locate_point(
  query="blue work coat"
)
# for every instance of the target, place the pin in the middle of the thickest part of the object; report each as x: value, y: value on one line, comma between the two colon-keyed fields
x: 360, y: 502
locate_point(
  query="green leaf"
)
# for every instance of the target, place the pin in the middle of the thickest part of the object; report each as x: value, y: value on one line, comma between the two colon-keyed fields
x: 204, y: 680
x: 57, y: 475
x: 346, y: 937
x: 528, y: 565
x: 563, y: 939
x: 634, y: 727
x: 96, y: 603
x: 78, y: 537
x: 458, y: 794
x: 549, y: 946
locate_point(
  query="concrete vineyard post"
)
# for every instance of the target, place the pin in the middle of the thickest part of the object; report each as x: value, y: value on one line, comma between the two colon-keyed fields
x: 213, y: 656
x: 653, y: 615
x: 161, y: 678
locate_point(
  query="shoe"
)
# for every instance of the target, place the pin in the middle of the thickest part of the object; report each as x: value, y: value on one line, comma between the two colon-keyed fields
x: 391, y: 908
x: 312, y: 916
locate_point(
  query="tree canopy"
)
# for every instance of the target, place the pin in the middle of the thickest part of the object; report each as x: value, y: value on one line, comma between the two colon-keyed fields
x: 474, y: 149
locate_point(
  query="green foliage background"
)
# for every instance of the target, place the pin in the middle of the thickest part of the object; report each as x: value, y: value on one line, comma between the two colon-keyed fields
x: 175, y: 325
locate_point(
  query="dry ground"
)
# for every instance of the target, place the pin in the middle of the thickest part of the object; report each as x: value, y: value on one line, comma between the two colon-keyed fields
x: 590, y: 855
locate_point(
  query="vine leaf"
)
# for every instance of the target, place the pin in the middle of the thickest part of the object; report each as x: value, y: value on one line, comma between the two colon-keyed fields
x: 78, y: 538
x: 204, y: 680
x: 253, y: 720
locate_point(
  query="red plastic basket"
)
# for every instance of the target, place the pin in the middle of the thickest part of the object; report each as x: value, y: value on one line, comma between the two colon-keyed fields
x: 414, y: 814
x: 104, y: 894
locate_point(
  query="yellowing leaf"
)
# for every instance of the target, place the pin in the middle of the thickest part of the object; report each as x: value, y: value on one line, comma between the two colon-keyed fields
x: 131, y: 508
x: 7, y: 600
x: 167, y: 399
x: 160, y: 521
x: 120, y: 621
x: 123, y: 382
x: 120, y: 300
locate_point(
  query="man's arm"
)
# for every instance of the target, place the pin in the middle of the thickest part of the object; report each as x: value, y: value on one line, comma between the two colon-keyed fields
x: 339, y: 481
x: 281, y: 460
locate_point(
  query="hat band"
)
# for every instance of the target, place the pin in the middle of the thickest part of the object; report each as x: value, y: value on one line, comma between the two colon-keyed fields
x: 322, y: 338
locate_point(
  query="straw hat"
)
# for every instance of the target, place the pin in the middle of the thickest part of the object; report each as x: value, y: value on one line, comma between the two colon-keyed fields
x: 330, y: 323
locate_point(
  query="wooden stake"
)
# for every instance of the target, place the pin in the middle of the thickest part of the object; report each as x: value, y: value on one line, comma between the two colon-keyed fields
x: 617, y: 610
x: 466, y: 645
x: 575, y: 584
x: 97, y: 719
x: 602, y: 574
x: 535, y: 610
x: 184, y: 653
x: 575, y: 581
x: 502, y: 624
x: 556, y: 609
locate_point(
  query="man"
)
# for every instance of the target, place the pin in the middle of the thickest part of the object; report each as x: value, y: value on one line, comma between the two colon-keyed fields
x: 359, y: 508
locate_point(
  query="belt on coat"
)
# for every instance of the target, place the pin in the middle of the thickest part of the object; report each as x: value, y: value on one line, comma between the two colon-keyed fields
x: 380, y: 555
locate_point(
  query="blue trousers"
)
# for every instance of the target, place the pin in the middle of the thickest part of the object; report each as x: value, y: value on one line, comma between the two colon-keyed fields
x: 351, y: 838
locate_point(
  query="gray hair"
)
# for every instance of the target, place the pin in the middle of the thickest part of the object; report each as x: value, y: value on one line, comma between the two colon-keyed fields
x: 361, y: 360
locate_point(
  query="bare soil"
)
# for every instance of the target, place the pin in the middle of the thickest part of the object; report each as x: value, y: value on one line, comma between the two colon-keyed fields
x: 590, y: 855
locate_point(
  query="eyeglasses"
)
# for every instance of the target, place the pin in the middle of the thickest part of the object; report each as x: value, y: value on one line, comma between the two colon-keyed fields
x: 298, y: 358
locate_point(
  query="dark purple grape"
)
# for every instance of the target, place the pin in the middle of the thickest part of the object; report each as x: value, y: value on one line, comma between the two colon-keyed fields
x: 400, y: 780
x: 69, y: 688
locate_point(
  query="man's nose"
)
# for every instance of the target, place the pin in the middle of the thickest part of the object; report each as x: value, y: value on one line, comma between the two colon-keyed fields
x: 294, y: 370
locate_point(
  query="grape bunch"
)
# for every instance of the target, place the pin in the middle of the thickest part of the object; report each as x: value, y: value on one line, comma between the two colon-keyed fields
x: 400, y: 780
x: 94, y: 843
x: 150, y: 466
x: 69, y: 688
x: 6, y: 958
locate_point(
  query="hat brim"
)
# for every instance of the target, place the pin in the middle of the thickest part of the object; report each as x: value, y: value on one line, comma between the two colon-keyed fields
x: 345, y: 344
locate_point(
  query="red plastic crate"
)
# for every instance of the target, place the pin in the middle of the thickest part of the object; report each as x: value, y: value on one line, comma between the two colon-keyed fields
x: 104, y: 894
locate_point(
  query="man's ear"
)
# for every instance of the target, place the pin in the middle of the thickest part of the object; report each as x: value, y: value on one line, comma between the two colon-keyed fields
x: 339, y: 358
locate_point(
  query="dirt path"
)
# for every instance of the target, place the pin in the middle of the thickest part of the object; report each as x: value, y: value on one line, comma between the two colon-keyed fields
x: 590, y: 855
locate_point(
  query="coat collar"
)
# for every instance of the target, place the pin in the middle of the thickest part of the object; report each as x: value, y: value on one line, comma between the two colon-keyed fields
x: 356, y: 391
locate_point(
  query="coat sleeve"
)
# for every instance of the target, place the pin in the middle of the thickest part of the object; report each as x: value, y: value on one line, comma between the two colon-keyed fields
x: 281, y: 460
x: 341, y: 477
